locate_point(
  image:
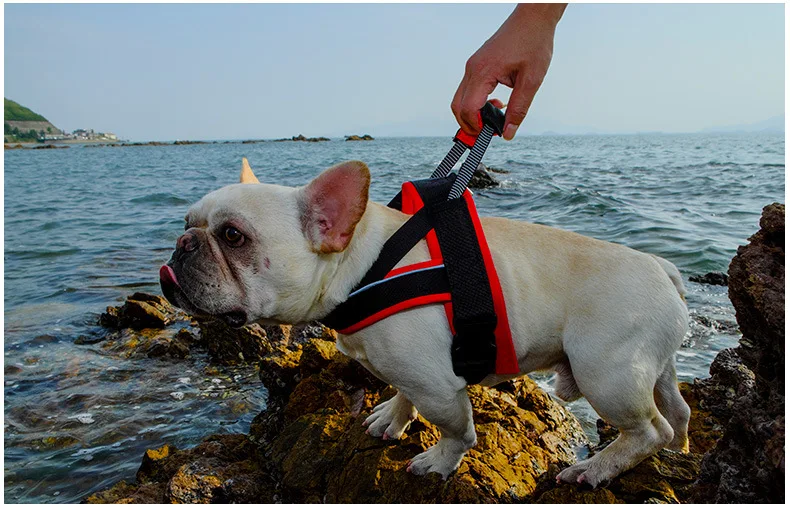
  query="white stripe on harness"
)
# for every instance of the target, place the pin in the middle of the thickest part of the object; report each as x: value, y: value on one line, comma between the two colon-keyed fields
x: 393, y: 277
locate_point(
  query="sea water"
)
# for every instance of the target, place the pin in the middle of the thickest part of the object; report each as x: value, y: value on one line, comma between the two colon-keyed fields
x: 87, y: 226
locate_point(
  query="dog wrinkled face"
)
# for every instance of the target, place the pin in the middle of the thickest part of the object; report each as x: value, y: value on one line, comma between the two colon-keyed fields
x: 220, y: 264
x: 253, y: 252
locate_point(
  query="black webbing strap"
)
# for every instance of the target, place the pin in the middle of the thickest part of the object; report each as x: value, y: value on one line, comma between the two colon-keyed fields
x: 474, y: 316
x: 397, y: 246
x: 385, y: 294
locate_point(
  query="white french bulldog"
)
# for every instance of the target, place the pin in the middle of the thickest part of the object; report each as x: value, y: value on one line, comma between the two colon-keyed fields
x: 606, y: 318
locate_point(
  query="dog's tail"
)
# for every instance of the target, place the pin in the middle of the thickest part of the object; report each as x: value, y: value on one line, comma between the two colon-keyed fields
x: 673, y: 274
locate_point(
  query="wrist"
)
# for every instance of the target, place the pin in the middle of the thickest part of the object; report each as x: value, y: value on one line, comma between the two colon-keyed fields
x: 546, y: 13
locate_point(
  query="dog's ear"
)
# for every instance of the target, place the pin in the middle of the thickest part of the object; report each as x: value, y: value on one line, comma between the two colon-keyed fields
x: 332, y: 205
x: 247, y: 177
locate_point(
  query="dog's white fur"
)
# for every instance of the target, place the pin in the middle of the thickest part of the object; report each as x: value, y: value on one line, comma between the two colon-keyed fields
x: 606, y: 318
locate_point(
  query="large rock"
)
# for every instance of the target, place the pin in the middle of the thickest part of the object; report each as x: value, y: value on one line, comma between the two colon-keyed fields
x: 746, y: 388
x: 141, y: 311
x: 310, y: 445
x: 221, y: 469
x: 712, y: 278
x: 147, y: 325
x: 481, y: 179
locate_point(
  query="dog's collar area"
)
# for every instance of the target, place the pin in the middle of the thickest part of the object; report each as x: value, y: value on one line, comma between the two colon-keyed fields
x: 461, y: 275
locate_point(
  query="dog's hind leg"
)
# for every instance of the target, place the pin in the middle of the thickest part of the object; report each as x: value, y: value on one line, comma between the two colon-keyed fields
x: 673, y: 407
x: 565, y: 387
x: 619, y: 386
x: 390, y: 419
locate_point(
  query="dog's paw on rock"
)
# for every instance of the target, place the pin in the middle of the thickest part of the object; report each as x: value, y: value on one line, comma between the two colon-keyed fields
x: 437, y: 459
x: 390, y: 419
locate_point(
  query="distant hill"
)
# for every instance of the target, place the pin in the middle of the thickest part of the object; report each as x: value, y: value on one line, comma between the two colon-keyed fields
x: 21, y: 124
x: 772, y: 125
x: 17, y: 112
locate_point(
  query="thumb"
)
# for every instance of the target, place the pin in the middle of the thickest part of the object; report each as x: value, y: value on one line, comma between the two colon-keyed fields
x: 517, y: 108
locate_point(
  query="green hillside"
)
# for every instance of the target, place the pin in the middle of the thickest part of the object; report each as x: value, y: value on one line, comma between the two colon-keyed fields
x: 16, y: 112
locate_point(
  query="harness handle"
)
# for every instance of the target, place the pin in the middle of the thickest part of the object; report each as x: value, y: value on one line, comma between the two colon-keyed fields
x: 492, y: 123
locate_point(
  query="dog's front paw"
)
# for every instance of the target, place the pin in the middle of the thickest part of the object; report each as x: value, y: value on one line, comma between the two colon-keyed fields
x: 433, y: 460
x: 585, y: 472
x: 390, y: 419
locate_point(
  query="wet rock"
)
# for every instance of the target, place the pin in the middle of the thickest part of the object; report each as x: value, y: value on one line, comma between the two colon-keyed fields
x: 482, y: 179
x: 89, y: 340
x: 176, y: 347
x: 221, y: 469
x: 302, y: 138
x: 357, y: 138
x: 757, y: 292
x: 705, y: 429
x: 12, y: 370
x: 746, y: 387
x: 141, y: 311
x: 663, y: 478
x: 55, y: 442
x: 703, y: 325
x: 497, y: 170
x: 713, y: 278
x: 49, y: 146
x: 233, y: 346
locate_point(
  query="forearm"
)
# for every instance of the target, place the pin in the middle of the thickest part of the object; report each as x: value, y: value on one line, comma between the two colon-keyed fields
x: 550, y: 13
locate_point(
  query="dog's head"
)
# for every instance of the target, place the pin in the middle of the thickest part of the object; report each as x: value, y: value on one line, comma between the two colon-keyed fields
x: 254, y: 251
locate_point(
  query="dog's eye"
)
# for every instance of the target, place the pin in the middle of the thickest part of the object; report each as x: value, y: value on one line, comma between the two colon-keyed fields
x: 233, y: 236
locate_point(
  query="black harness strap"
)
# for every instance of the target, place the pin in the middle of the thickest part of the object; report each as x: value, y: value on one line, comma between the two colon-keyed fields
x: 380, y: 296
x: 397, y: 246
x: 474, y: 317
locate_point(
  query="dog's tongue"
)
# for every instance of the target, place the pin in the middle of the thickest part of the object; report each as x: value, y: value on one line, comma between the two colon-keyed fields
x: 166, y: 274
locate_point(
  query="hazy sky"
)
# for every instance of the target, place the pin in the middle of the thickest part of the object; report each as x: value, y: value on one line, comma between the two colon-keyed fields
x: 262, y: 71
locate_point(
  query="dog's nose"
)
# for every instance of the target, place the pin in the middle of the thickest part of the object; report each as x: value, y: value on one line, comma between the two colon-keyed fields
x: 187, y: 242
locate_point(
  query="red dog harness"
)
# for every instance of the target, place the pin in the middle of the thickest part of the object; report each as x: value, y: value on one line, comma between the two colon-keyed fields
x: 460, y: 274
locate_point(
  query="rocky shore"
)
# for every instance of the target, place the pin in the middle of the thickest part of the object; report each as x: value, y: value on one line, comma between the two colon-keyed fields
x: 309, y: 445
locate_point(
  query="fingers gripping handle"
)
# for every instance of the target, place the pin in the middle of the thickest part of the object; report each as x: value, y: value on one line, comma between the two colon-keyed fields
x: 489, y: 115
x: 492, y: 122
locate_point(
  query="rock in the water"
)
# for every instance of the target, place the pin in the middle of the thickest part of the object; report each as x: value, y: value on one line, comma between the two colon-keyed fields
x: 712, y: 278
x: 482, y: 179
x: 232, y: 346
x: 141, y: 311
x: 302, y: 138
x: 221, y: 469
x: 746, y: 388
x: 357, y: 138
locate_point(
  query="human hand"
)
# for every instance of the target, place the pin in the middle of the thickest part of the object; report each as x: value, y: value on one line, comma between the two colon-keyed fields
x: 518, y: 56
